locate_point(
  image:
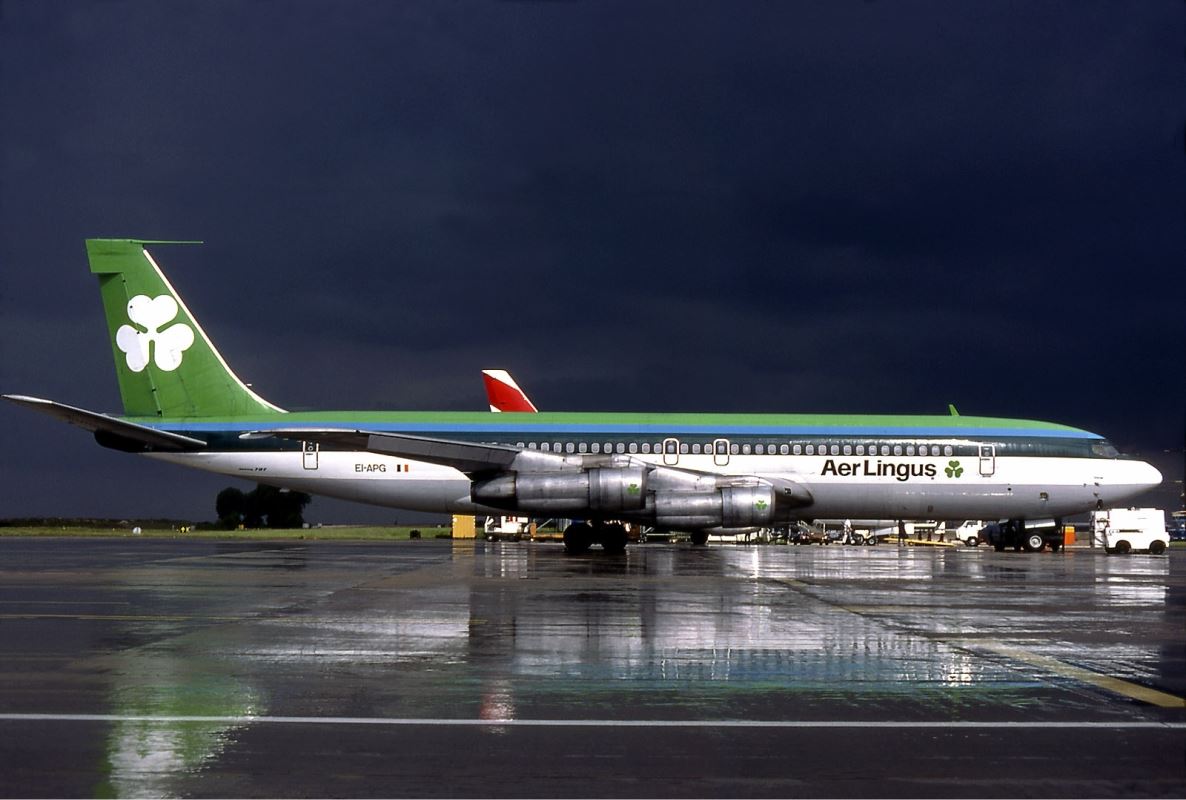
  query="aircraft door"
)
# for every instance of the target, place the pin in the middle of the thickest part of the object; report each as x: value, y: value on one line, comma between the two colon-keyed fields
x: 310, y: 454
x: 671, y: 452
x: 988, y: 460
x: 720, y: 452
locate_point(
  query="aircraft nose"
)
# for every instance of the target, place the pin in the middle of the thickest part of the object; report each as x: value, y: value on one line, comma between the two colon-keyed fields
x: 1149, y: 475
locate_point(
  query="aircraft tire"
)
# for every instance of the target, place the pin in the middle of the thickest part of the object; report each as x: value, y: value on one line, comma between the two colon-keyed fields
x: 613, y: 538
x: 699, y: 538
x: 578, y: 537
x: 1034, y: 543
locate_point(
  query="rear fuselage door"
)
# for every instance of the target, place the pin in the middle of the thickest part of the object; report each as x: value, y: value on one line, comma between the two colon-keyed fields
x: 988, y: 460
x: 309, y: 454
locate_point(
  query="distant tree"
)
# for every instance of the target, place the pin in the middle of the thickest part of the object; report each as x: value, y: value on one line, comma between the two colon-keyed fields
x: 229, y: 506
x: 283, y: 509
x: 263, y: 506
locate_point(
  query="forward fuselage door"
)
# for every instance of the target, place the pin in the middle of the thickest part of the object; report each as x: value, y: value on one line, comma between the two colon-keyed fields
x: 720, y: 452
x: 671, y: 452
x: 988, y: 460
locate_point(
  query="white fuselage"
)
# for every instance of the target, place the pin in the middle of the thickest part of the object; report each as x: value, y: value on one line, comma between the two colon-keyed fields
x: 842, y: 486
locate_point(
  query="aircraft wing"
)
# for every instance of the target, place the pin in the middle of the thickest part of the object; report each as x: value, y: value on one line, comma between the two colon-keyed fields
x: 125, y: 433
x: 468, y: 457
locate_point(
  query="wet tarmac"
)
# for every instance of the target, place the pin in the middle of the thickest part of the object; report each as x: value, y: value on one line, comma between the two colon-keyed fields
x: 171, y: 668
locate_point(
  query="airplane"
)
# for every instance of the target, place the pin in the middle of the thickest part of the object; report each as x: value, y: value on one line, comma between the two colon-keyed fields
x: 697, y: 473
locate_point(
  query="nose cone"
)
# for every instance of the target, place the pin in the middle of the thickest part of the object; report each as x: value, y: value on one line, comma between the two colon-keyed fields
x: 1133, y: 478
x: 1149, y: 476
x: 1119, y: 480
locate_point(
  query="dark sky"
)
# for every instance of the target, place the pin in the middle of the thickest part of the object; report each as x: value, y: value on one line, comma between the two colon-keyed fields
x: 734, y: 206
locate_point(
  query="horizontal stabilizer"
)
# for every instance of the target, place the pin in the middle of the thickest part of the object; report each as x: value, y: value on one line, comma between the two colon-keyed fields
x: 102, y: 423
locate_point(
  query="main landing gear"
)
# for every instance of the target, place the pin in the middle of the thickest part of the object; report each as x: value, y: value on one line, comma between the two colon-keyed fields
x: 580, y: 536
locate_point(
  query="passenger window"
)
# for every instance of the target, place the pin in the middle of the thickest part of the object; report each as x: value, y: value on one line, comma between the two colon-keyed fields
x: 646, y: 448
x: 547, y: 448
x: 531, y: 445
x: 897, y: 449
x: 885, y: 449
x: 848, y: 449
x: 835, y: 449
x: 734, y: 449
x: 596, y: 447
x: 746, y: 449
x: 608, y: 447
x: 860, y: 449
x: 947, y: 451
x: 810, y: 449
x: 922, y: 449
x: 695, y: 449
x: 582, y: 447
x: 760, y: 449
x: 621, y: 447
x: 683, y: 448
x: 784, y: 449
x: 909, y: 449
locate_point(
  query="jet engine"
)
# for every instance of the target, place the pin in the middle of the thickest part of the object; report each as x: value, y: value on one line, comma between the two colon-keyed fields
x: 600, y: 490
x: 729, y: 507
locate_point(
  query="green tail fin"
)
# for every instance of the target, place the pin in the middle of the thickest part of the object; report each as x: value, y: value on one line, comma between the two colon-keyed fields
x: 166, y: 364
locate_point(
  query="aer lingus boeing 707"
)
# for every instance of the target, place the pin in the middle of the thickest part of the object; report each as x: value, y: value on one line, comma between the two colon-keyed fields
x: 688, y: 472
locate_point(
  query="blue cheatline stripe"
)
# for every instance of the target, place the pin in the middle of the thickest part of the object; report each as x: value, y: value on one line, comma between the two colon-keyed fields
x: 640, y: 430
x: 593, y: 723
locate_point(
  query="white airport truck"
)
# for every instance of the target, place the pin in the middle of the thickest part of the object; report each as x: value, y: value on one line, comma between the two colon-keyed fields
x: 506, y: 528
x: 1123, y: 530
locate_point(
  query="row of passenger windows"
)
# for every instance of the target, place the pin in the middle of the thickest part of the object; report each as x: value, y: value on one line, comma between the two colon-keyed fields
x: 720, y: 447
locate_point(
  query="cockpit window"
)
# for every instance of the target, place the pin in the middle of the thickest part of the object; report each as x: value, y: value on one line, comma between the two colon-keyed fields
x: 1102, y: 448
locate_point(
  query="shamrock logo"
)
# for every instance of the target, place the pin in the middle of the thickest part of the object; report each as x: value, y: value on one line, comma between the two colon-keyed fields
x: 152, y: 314
x: 633, y: 489
x: 954, y: 470
x: 760, y: 505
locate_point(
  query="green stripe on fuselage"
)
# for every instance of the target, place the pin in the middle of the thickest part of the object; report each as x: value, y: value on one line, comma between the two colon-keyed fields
x: 572, y: 423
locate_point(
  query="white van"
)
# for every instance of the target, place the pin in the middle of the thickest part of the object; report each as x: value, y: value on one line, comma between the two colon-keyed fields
x: 1123, y: 530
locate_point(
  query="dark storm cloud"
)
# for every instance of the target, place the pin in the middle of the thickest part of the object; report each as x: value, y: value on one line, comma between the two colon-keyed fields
x: 830, y: 206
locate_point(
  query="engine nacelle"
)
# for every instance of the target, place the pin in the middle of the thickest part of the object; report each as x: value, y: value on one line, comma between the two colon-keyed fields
x: 730, y: 507
x: 598, y: 490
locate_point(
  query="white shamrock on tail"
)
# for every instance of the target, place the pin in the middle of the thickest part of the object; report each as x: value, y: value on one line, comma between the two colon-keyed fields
x: 152, y: 313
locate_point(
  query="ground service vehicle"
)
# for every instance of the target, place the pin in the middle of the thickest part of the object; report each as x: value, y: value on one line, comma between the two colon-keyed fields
x: 1033, y: 537
x: 1123, y: 530
x: 968, y: 533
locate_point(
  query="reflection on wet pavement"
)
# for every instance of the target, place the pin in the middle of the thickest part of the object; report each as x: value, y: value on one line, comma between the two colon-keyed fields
x: 183, y: 643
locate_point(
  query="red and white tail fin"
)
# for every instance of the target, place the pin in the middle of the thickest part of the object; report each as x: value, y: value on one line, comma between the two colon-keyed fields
x: 503, y: 393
